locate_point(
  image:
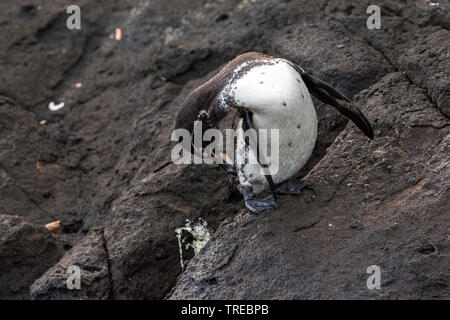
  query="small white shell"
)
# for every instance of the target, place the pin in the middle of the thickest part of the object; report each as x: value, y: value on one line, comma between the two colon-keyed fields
x: 55, y: 107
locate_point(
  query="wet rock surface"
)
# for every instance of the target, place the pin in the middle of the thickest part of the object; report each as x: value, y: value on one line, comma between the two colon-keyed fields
x: 101, y: 164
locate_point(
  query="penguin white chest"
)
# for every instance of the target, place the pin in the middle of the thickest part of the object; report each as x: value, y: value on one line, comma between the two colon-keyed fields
x: 278, y: 98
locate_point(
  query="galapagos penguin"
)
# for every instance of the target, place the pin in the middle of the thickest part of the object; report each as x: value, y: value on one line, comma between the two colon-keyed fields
x: 266, y: 93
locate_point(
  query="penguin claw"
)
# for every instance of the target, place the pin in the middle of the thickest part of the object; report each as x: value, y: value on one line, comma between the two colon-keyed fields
x: 259, y: 205
x: 292, y: 187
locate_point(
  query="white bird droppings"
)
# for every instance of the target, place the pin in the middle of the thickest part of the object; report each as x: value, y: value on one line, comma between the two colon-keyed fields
x: 199, y: 232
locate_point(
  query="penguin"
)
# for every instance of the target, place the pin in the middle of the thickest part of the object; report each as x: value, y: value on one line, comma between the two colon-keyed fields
x: 269, y: 93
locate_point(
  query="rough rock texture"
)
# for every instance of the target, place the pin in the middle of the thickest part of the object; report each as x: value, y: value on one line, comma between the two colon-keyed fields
x: 427, y: 65
x: 103, y: 161
x: 26, y: 251
x: 91, y: 257
x: 381, y: 203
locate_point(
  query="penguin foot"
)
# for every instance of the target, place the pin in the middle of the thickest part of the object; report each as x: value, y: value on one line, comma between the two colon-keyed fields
x: 292, y: 187
x: 258, y: 205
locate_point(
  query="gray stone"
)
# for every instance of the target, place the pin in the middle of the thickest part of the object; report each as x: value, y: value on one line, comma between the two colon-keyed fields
x: 26, y: 252
x: 91, y: 258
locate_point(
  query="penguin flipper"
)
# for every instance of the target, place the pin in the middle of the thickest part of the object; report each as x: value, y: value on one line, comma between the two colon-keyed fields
x: 329, y: 95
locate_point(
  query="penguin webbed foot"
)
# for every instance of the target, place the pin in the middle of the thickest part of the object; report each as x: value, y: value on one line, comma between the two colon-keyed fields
x: 292, y: 187
x: 258, y: 205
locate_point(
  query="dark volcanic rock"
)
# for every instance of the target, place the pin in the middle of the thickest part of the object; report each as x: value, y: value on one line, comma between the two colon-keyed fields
x: 141, y: 240
x: 91, y: 257
x: 26, y: 251
x: 103, y: 161
x: 427, y: 66
x: 382, y: 202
